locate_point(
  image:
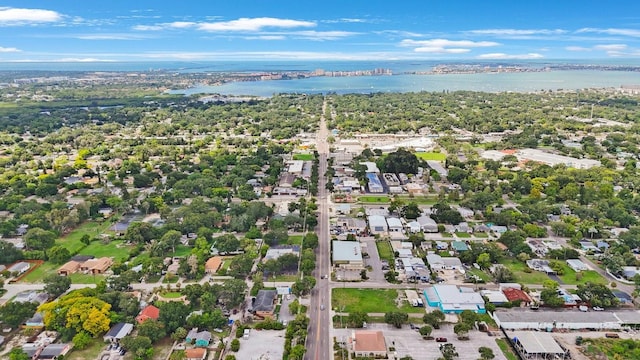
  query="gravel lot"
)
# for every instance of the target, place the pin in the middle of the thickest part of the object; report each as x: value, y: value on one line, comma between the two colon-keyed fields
x: 262, y: 345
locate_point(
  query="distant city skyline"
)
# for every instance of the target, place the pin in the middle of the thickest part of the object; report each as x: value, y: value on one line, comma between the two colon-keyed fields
x: 76, y: 31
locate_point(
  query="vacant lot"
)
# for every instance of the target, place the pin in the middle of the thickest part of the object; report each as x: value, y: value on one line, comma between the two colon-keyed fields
x: 374, y: 199
x: 431, y: 156
x: 522, y: 276
x: 72, y: 240
x: 115, y: 249
x: 303, y: 157
x: 385, y: 251
x: 370, y: 301
x: 263, y: 345
x: 571, y: 277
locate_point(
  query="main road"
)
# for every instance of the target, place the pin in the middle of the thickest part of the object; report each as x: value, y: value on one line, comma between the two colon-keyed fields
x: 318, y: 342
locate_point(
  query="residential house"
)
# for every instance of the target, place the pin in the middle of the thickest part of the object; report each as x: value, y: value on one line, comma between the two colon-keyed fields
x: 577, y: 265
x: 413, y: 227
x: 369, y: 343
x: 540, y: 265
x: 200, y: 338
x: 36, y: 321
x: 31, y: 296
x: 517, y: 295
x: 19, y: 268
x: 149, y: 312
x: 494, y: 296
x: 438, y: 262
x: 117, y: 332
x: 427, y: 224
x: 588, y: 246
x: 459, y: 246
x: 414, y: 189
x: 96, y: 266
x: 463, y: 227
x: 277, y: 251
x: 213, y: 264
x: 394, y: 224
x: 466, y: 213
x: 264, y: 303
x: 498, y: 229
x: 54, y: 351
x: 195, y: 354
x: 482, y: 228
x: 69, y: 268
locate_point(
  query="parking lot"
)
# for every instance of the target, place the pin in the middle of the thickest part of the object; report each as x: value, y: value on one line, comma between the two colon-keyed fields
x: 262, y: 345
x: 409, y: 342
x: 376, y: 274
x: 284, y: 314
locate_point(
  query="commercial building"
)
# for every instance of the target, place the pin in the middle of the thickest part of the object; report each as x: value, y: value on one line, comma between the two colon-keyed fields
x: 369, y: 344
x: 377, y: 224
x: 452, y: 299
x: 347, y: 254
x: 537, y: 345
x: 374, y: 183
x: 550, y: 159
x: 565, y: 319
x: 265, y: 303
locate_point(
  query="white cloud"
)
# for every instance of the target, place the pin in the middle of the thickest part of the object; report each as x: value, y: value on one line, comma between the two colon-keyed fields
x: 148, y: 27
x: 182, y: 24
x: 440, y: 50
x: 518, y: 32
x: 503, y: 56
x: 266, y: 37
x: 444, y: 43
x: 253, y: 24
x: 611, y: 31
x: 111, y: 37
x: 577, y: 48
x: 8, y: 49
x: 323, y: 35
x: 611, y: 47
x: 17, y: 16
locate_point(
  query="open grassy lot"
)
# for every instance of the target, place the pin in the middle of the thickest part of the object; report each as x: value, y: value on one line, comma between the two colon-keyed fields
x: 294, y: 240
x: 385, y: 251
x: 80, y: 278
x: 570, y: 278
x: 90, y: 352
x: 612, y: 348
x: 463, y: 235
x: 182, y: 250
x: 115, y: 249
x: 431, y: 156
x: 303, y: 157
x: 420, y: 200
x: 369, y: 301
x: 518, y: 268
x: 479, y: 273
x: 92, y: 228
x: 36, y: 275
x: 374, y: 199
x: 171, y: 295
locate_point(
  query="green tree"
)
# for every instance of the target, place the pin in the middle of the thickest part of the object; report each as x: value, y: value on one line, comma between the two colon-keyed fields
x: 39, y: 239
x: 18, y: 354
x: 153, y: 329
x: 81, y: 340
x: 141, y: 346
x: 171, y: 238
x: 486, y: 353
x: 426, y: 330
x: 14, y: 314
x: 396, y: 318
x: 235, y: 345
x: 357, y: 319
x: 484, y: 261
x: 294, y: 307
x: 434, y: 318
x: 303, y: 286
x: 179, y: 335
x: 400, y: 161
x: 173, y: 315
x: 56, y: 285
x: 462, y: 330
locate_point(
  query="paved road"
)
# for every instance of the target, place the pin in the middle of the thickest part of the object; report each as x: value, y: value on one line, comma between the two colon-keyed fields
x: 318, y: 342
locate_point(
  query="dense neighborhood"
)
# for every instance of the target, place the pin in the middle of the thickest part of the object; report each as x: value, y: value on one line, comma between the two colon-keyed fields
x: 174, y: 228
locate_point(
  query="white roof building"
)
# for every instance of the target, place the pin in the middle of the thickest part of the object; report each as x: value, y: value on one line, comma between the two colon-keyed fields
x: 377, y: 224
x: 347, y: 253
x: 554, y: 159
x: 438, y: 262
x: 494, y: 296
x: 394, y: 224
x: 295, y: 166
x: 577, y: 265
x: 371, y: 166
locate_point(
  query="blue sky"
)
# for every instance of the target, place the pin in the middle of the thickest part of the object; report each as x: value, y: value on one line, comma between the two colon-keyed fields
x: 141, y: 30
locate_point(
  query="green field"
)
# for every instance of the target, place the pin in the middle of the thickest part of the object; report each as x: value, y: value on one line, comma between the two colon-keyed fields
x: 90, y: 352
x: 115, y: 249
x: 369, y: 301
x: 420, y: 200
x: 303, y: 157
x: 171, y: 295
x: 385, y: 251
x: 182, y: 250
x: 481, y: 235
x: 294, y: 240
x: 569, y: 276
x: 463, y: 235
x: 39, y: 273
x: 72, y: 240
x: 518, y: 268
x: 80, y: 278
x: 479, y: 273
x: 374, y: 199
x: 431, y: 156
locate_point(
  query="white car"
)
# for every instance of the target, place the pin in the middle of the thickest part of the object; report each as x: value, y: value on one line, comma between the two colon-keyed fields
x: 598, y: 308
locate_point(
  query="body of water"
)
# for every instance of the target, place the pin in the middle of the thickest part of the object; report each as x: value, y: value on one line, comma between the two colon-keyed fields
x: 516, y: 82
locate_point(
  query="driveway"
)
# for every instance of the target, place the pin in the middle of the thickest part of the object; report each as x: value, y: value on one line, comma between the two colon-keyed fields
x: 284, y: 314
x: 262, y: 345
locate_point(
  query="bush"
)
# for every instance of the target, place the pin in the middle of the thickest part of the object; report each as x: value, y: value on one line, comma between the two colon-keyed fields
x: 235, y: 345
x: 240, y: 331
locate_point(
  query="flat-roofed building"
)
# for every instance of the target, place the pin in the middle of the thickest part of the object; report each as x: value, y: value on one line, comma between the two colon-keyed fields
x: 537, y: 345
x: 550, y: 159
x: 377, y: 224
x: 347, y: 254
x: 374, y: 183
x: 577, y: 265
x: 427, y: 224
x: 452, y: 299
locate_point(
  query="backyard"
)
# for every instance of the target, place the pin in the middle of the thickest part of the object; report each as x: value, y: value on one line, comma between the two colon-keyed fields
x: 370, y: 301
x: 385, y: 251
x: 431, y: 156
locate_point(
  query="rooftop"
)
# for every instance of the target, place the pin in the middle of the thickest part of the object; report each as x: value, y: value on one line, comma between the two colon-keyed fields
x: 264, y: 300
x: 369, y: 341
x: 346, y: 251
x: 537, y: 342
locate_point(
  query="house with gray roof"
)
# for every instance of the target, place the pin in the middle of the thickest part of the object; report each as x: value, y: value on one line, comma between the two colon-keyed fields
x: 264, y: 303
x: 117, y: 332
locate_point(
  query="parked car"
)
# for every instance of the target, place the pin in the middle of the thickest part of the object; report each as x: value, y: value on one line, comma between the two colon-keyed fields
x: 598, y: 308
x: 441, y: 339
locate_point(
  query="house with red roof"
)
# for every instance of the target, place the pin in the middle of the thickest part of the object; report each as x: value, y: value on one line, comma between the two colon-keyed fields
x: 514, y: 294
x: 150, y: 312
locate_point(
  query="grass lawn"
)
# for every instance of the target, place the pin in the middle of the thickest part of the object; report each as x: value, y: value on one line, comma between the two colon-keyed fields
x: 431, y: 156
x: 80, y: 278
x: 479, y: 273
x: 506, y: 349
x: 92, y: 228
x: 283, y: 278
x: 420, y: 200
x: 385, y: 251
x: 463, y: 235
x: 171, y: 295
x: 114, y: 249
x: 534, y: 277
x: 36, y: 275
x: 369, y: 301
x: 295, y: 240
x: 90, y: 352
x: 446, y: 235
x: 374, y: 199
x: 481, y: 235
x: 569, y: 276
x: 182, y: 250
x: 226, y: 262
x: 303, y: 157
